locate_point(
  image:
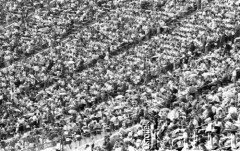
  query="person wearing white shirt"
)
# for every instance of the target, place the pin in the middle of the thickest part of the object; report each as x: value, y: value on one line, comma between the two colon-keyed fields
x: 34, y: 118
x: 66, y: 128
x: 234, y: 75
x: 58, y: 147
x: 131, y: 148
x: 232, y: 109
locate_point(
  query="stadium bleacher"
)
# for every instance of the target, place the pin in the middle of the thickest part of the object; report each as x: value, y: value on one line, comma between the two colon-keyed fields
x: 73, y: 70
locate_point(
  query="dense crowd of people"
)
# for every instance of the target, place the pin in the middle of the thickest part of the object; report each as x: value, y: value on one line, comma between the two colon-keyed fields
x: 74, y: 69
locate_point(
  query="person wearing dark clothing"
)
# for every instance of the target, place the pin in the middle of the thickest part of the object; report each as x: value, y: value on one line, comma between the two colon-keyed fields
x: 237, y: 32
x: 227, y: 49
x: 169, y: 67
x: 209, y: 47
x: 222, y: 40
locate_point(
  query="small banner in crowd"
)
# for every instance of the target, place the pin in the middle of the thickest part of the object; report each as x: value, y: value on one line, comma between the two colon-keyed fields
x: 147, y: 135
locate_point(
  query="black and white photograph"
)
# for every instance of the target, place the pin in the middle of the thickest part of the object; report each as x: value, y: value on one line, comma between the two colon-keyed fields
x: 119, y: 75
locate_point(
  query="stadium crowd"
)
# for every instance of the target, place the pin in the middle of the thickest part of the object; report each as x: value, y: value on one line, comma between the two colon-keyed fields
x: 77, y: 69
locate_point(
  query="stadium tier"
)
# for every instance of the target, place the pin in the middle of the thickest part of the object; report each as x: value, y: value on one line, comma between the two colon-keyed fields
x: 119, y: 75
